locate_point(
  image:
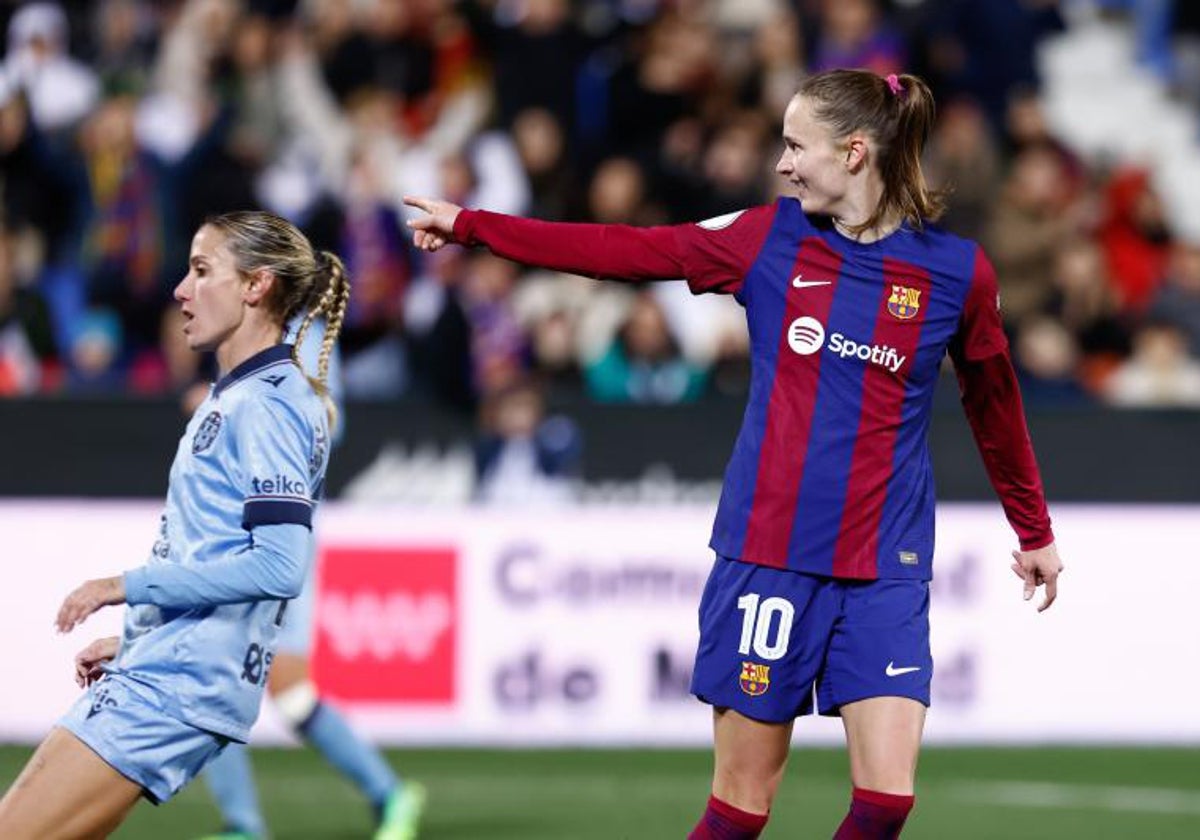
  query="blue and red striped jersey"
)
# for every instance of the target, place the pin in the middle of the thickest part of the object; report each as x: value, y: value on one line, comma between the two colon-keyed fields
x: 831, y: 472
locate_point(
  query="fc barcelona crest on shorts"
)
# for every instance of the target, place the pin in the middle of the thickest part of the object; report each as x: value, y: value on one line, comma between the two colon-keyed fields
x: 755, y: 678
x: 904, y: 303
x: 207, y: 433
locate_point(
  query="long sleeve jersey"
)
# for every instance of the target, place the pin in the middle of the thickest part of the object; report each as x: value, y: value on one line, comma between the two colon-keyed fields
x: 234, y: 545
x: 830, y: 473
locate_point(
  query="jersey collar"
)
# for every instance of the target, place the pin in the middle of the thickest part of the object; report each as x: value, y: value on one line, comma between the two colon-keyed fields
x: 272, y: 355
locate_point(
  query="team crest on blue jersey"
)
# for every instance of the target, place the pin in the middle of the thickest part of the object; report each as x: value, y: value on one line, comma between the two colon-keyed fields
x: 755, y: 678
x: 905, y: 302
x: 207, y: 433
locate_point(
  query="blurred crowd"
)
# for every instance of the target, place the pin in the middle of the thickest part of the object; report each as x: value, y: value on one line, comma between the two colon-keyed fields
x: 124, y: 123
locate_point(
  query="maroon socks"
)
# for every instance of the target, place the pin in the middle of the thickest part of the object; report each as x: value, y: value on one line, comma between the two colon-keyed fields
x: 874, y: 816
x: 722, y: 821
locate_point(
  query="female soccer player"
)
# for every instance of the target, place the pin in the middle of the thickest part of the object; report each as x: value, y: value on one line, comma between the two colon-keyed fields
x: 397, y: 804
x: 187, y: 675
x: 824, y: 532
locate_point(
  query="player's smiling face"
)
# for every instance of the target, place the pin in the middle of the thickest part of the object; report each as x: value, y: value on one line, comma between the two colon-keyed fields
x: 211, y: 295
x: 812, y: 161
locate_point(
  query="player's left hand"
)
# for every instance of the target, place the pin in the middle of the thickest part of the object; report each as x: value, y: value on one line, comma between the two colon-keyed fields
x: 1037, y: 567
x: 88, y: 598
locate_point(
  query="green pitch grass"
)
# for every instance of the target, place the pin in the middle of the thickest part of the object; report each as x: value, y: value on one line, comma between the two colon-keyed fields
x: 579, y: 795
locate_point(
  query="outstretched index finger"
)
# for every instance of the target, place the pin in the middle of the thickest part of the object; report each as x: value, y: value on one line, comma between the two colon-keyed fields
x: 420, y: 203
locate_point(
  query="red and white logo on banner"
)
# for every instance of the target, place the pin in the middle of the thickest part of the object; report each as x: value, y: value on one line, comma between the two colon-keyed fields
x: 386, y: 624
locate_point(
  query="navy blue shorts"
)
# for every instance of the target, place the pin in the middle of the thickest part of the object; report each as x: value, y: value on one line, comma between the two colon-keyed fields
x: 769, y: 636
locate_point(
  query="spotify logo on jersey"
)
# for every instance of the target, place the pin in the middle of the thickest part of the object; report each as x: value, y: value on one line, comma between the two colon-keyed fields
x: 806, y: 335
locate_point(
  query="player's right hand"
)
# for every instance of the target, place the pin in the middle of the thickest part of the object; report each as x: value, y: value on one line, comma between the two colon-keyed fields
x: 434, y: 230
x: 89, y: 660
x: 87, y: 598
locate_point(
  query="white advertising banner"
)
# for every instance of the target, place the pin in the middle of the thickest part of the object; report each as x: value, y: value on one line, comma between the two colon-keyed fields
x: 578, y: 626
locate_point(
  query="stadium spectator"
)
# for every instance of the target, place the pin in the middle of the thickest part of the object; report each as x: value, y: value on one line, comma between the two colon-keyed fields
x: 963, y: 159
x: 552, y: 309
x: 823, y: 535
x: 1159, y: 374
x: 1135, y: 237
x: 439, y: 333
x: 60, y: 89
x: 1036, y: 211
x: 855, y: 33
x: 1046, y: 356
x: 95, y: 363
x: 523, y: 456
x: 1178, y: 299
x: 28, y: 362
x: 541, y: 144
x: 536, y: 50
x: 186, y: 676
x: 124, y: 45
x: 643, y: 362
x: 372, y: 342
x: 984, y: 49
x: 779, y: 54
x: 499, y: 344
x: 1085, y: 305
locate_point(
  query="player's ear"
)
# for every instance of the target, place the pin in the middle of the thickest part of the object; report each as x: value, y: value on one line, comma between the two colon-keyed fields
x: 258, y: 286
x: 856, y: 152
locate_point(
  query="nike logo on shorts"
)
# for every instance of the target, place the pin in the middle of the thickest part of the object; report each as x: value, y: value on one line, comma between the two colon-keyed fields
x: 893, y: 671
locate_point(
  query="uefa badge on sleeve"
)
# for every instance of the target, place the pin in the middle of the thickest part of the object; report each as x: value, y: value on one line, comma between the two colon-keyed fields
x: 755, y: 678
x: 207, y: 433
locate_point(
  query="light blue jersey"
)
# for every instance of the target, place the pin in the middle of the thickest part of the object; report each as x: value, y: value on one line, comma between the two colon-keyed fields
x: 205, y: 610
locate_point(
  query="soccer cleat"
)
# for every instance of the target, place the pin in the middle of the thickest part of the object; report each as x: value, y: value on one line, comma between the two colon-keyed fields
x: 402, y: 813
x: 229, y: 835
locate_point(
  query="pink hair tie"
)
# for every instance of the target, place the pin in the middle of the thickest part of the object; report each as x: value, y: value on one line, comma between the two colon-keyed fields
x: 893, y: 82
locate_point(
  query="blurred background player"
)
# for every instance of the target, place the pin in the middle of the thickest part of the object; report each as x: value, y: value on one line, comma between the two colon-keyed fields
x: 397, y: 805
x: 186, y: 677
x: 819, y: 597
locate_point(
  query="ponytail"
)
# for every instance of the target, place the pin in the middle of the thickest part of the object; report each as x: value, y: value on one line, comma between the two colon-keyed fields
x: 329, y: 297
x: 904, y: 187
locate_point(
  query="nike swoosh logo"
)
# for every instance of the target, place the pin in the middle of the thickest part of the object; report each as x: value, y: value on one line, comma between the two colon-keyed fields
x: 804, y: 284
x: 893, y: 671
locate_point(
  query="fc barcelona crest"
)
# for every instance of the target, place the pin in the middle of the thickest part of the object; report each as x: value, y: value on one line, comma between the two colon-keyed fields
x: 904, y: 303
x: 755, y: 678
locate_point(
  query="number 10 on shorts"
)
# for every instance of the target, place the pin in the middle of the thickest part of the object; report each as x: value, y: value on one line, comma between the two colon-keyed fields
x: 758, y: 621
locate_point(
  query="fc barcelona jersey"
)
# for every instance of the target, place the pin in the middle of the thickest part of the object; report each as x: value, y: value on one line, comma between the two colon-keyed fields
x: 830, y: 473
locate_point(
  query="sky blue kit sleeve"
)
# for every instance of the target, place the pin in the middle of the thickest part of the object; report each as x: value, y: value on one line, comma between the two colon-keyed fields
x: 274, y: 566
x: 277, y: 456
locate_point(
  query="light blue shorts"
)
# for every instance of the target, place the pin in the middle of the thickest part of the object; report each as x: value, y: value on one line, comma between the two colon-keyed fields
x: 134, y: 736
x: 296, y: 634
